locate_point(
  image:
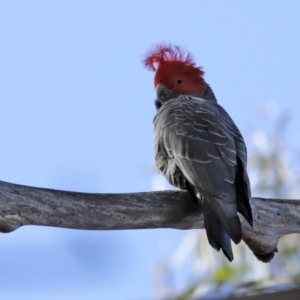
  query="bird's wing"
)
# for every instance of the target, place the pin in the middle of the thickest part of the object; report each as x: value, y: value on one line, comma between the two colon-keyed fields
x: 205, y: 145
x: 242, y: 183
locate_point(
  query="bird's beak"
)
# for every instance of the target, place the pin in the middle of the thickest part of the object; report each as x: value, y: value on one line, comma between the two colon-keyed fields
x: 159, y: 89
x: 164, y: 94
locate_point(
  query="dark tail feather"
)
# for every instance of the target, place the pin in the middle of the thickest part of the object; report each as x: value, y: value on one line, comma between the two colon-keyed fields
x: 216, y: 232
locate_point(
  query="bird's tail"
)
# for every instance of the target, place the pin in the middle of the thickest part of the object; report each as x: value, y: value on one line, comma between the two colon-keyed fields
x: 221, y: 226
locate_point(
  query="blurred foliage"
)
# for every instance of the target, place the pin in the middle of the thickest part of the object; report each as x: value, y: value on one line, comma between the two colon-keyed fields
x: 196, y: 271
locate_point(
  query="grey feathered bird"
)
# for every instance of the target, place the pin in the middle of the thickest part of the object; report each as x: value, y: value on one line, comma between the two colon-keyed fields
x: 197, y: 146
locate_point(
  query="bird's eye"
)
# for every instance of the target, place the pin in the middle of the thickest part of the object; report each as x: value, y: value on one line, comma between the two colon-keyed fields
x: 179, y: 81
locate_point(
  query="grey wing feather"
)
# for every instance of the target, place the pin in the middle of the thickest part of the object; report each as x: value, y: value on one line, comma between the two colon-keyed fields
x: 195, y: 131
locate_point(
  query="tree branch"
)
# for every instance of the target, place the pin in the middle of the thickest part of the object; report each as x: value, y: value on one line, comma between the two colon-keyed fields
x: 23, y: 205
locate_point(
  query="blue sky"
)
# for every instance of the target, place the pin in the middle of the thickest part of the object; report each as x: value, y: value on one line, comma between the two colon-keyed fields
x: 77, y: 109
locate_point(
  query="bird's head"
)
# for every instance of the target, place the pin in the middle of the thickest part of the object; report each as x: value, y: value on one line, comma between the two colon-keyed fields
x: 175, y: 72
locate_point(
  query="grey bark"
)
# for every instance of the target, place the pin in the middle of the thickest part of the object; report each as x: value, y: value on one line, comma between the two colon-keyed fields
x: 24, y: 205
